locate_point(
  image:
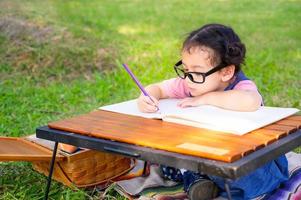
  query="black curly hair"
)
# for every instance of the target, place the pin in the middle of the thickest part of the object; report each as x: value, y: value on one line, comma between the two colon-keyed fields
x: 225, y: 43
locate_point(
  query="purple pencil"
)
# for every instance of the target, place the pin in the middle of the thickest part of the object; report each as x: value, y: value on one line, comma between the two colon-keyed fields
x: 137, y: 81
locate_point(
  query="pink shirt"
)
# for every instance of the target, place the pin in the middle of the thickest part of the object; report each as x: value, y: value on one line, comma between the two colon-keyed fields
x: 177, y: 88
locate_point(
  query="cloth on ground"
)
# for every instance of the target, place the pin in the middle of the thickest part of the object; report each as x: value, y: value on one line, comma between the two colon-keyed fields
x: 155, y: 187
x: 137, y: 171
x: 154, y: 179
x: 291, y: 189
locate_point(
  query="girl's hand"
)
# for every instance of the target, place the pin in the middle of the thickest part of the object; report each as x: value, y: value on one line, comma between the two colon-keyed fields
x: 191, y: 102
x: 145, y: 104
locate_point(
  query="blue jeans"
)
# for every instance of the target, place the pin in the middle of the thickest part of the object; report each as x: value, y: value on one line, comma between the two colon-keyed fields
x: 261, y: 181
x: 188, y: 177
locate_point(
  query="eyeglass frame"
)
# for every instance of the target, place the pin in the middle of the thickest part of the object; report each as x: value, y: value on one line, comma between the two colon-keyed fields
x: 188, y: 74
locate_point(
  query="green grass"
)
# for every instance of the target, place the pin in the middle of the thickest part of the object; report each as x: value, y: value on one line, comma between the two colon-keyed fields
x: 73, y: 66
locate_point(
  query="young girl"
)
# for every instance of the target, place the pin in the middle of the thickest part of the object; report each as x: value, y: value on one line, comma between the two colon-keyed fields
x: 210, y: 73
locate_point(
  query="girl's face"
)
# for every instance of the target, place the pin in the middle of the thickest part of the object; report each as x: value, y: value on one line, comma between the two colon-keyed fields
x: 198, y: 60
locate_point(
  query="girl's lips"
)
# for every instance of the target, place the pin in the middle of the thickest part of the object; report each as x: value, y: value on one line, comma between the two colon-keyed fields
x: 191, y: 91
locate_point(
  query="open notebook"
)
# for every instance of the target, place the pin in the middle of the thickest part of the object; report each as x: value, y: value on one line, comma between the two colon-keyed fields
x: 209, y: 117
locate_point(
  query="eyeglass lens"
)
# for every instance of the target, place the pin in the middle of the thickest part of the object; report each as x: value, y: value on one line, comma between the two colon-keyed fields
x: 193, y: 76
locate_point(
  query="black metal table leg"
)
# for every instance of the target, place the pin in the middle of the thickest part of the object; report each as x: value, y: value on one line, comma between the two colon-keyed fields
x: 144, y: 168
x: 51, y: 170
x: 227, y: 188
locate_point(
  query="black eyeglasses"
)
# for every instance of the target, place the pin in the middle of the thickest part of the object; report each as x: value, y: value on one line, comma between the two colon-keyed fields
x: 196, y: 77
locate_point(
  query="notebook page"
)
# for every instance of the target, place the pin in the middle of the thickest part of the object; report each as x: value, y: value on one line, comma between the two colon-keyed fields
x: 206, y: 116
x: 130, y: 108
x: 218, y: 119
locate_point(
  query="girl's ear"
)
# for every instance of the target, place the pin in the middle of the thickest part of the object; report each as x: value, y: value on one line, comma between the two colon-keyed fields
x: 227, y: 73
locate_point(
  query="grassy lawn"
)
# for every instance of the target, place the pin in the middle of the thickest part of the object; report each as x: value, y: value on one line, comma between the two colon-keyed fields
x: 62, y: 58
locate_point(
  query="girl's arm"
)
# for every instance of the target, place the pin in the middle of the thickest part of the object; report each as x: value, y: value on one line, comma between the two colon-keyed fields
x: 239, y: 100
x: 156, y: 91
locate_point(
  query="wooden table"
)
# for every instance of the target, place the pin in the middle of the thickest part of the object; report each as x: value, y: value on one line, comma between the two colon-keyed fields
x: 216, y: 153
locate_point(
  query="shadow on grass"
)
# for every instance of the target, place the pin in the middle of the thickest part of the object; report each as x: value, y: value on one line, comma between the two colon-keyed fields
x: 50, y: 53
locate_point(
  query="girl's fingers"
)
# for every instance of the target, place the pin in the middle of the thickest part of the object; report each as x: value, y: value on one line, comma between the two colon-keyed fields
x: 145, y: 104
x: 150, y: 109
x: 151, y: 100
x: 182, y: 105
x: 146, y: 107
x: 185, y: 103
x: 156, y: 101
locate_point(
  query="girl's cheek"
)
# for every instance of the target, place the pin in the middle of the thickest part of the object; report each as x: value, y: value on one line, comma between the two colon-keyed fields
x: 197, y: 91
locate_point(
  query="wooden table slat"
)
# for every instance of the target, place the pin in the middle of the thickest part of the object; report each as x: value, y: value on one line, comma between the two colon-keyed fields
x: 287, y: 122
x: 175, y: 137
